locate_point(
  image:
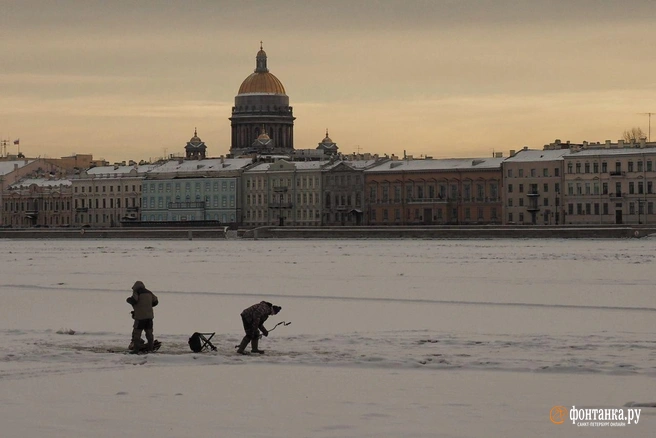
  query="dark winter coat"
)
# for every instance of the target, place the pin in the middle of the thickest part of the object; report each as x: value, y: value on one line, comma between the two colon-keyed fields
x: 257, y: 314
x: 143, y: 301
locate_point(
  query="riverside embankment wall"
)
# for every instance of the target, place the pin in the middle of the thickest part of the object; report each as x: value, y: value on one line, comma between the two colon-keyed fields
x: 115, y: 233
x: 452, y: 232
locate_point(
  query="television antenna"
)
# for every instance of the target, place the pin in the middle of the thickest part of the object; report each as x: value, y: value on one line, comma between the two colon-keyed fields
x: 649, y: 115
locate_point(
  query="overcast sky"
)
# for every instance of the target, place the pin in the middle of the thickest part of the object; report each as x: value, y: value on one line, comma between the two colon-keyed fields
x: 447, y: 78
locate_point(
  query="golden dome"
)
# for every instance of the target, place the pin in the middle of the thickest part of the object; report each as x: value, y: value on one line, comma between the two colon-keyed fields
x: 261, y: 82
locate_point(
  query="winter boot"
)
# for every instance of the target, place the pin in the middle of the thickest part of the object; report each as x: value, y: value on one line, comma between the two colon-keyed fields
x: 254, y: 348
x: 242, y: 346
x: 151, y: 340
x: 137, y: 342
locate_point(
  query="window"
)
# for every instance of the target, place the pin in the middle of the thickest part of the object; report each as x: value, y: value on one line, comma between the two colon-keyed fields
x: 605, y: 208
x: 521, y: 188
x: 510, y: 173
x: 595, y: 167
x: 521, y: 202
x: 640, y: 166
x: 521, y: 173
x: 556, y: 171
x: 510, y: 188
x: 545, y: 172
x: 604, y: 188
x: 510, y: 217
x: 630, y: 166
x: 604, y: 167
x: 533, y: 173
x: 641, y: 187
x: 586, y: 168
x: 631, y: 188
x: 545, y: 188
x: 578, y: 167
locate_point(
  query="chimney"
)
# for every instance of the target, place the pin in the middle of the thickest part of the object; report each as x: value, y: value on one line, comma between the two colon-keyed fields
x: 512, y: 153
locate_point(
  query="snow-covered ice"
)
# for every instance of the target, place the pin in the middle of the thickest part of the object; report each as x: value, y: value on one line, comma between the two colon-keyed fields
x: 389, y: 338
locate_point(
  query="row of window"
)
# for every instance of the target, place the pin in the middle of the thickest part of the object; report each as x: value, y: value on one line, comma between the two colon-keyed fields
x: 161, y: 201
x: 301, y: 182
x: 594, y: 208
x: 586, y: 167
x: 533, y: 188
x: 151, y: 187
x: 520, y: 202
x: 593, y: 189
x: 301, y: 199
x: 440, y: 215
x: 433, y: 192
x: 105, y: 203
x: 533, y: 172
x: 90, y: 189
x: 160, y: 217
x: 19, y: 206
x: 301, y: 214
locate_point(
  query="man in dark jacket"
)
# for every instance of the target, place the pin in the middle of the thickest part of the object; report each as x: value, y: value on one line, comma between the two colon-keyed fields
x: 142, y: 301
x: 253, y: 319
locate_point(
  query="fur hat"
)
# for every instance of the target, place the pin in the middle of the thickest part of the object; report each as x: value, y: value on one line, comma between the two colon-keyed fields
x: 276, y: 309
x: 138, y: 285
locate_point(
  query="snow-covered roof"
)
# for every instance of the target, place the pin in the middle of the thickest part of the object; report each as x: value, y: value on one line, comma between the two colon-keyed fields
x: 611, y: 152
x: 118, y: 171
x: 41, y: 182
x: 207, y: 165
x: 355, y: 164
x: 441, y: 164
x: 8, y: 166
x: 538, y: 155
x: 300, y: 165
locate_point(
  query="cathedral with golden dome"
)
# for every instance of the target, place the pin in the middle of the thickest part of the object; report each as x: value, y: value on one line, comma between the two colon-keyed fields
x: 262, y: 112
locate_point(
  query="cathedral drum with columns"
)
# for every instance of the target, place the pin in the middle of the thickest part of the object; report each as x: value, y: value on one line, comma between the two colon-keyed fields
x: 262, y: 107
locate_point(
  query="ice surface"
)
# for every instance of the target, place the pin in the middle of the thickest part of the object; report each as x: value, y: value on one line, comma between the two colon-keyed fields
x: 388, y: 338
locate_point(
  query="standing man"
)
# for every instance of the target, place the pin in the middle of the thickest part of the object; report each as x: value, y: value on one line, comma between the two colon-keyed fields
x: 253, y: 319
x: 142, y: 301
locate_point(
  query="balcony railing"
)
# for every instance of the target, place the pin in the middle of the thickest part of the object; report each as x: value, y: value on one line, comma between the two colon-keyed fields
x: 280, y: 205
x: 186, y: 205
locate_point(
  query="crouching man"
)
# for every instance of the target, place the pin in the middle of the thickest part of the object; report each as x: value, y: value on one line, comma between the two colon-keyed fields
x: 253, y: 319
x: 142, y: 301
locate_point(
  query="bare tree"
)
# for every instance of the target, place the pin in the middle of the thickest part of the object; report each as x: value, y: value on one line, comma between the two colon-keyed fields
x: 634, y: 134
